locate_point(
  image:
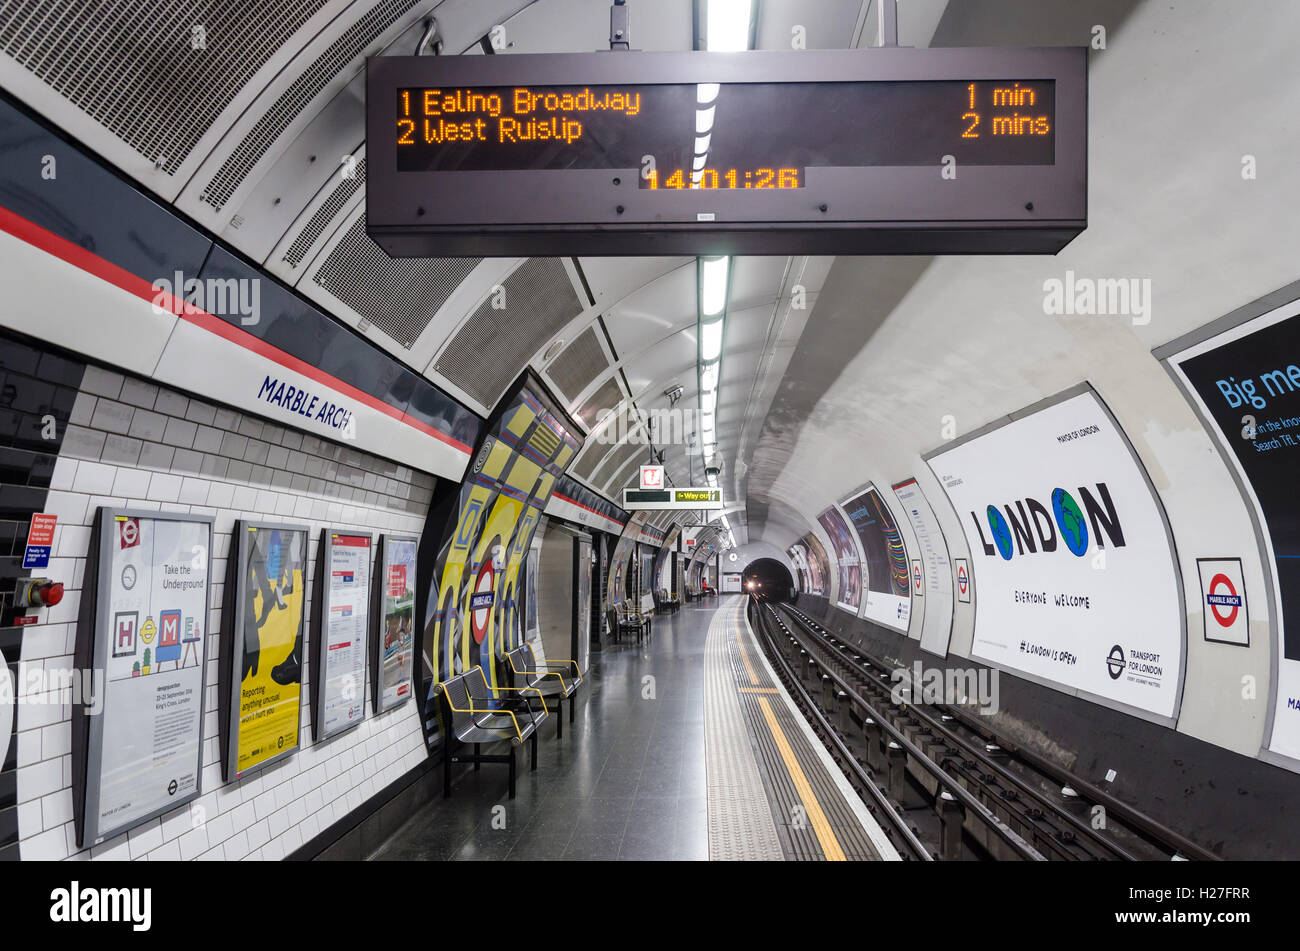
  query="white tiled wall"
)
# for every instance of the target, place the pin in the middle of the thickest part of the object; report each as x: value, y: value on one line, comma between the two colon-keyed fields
x: 131, y: 443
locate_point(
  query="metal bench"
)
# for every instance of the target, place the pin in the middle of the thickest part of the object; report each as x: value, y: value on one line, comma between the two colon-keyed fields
x: 622, y: 619
x: 472, y: 714
x: 556, y: 680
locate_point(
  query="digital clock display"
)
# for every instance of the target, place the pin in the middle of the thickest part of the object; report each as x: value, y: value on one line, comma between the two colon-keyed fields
x: 757, y: 136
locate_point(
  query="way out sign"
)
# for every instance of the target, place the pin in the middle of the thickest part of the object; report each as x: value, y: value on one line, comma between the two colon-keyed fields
x: 1223, y: 600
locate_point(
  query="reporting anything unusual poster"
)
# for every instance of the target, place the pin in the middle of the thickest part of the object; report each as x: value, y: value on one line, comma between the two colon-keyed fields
x: 1246, y: 383
x: 1076, y: 572
x: 271, y: 596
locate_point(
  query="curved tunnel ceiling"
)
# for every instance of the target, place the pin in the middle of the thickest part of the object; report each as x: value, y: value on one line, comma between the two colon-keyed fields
x: 269, y: 153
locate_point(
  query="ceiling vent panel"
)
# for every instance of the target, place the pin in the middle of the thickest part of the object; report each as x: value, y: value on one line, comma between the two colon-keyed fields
x: 608, y: 396
x: 326, y: 213
x: 619, y: 458
x: 514, y: 322
x: 294, y: 100
x: 397, y: 295
x: 137, y: 69
x: 580, y: 363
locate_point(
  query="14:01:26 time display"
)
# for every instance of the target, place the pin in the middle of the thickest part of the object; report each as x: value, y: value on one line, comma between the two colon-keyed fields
x: 711, y: 178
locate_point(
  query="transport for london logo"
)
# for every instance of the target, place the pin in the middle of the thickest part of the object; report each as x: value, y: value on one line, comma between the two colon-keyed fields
x: 1069, y: 520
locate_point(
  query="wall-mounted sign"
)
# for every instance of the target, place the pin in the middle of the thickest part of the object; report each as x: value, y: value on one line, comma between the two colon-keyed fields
x: 694, y: 499
x: 918, y: 581
x: 392, y: 647
x: 582, y: 154
x: 40, y: 539
x: 963, y: 580
x: 138, y: 749
x: 1078, y: 585
x: 1223, y: 600
x: 340, y: 625
x: 262, y: 645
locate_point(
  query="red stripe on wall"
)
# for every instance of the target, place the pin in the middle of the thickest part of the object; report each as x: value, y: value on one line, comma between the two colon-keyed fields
x: 565, y: 498
x: 91, y: 263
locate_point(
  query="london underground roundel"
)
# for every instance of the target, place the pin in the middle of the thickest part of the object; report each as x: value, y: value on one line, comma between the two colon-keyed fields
x: 1223, y: 600
x: 481, y: 601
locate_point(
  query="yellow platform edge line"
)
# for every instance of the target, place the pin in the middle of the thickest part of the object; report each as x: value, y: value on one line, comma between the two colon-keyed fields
x: 821, y: 826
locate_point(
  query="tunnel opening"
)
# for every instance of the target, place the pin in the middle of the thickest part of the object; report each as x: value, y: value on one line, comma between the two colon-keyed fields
x: 768, y: 579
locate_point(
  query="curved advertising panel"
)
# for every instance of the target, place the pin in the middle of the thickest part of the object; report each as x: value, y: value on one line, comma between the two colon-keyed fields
x: 798, y: 553
x: 935, y: 589
x: 819, y: 568
x: 1074, y: 557
x: 846, y: 557
x: 1243, y: 378
x: 889, y: 578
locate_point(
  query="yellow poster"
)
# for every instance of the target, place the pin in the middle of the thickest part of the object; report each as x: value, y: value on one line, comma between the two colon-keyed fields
x: 270, y: 689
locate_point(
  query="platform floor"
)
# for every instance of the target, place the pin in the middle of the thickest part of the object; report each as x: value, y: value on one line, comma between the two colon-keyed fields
x: 673, y: 756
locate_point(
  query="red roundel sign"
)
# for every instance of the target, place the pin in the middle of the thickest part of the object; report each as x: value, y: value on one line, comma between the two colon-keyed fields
x: 480, y: 601
x: 1223, y: 595
x: 962, y: 579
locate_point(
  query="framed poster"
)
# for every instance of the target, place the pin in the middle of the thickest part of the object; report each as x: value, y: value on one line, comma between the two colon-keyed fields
x: 265, y: 623
x: 392, y: 648
x: 138, y: 746
x: 340, y: 625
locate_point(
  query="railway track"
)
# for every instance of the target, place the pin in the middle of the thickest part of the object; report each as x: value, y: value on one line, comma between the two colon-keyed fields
x: 942, y: 783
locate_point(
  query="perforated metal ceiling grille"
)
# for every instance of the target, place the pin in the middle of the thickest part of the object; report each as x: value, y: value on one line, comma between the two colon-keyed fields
x: 155, y: 73
x: 345, y: 189
x: 580, y: 363
x: 607, y: 396
x: 618, y: 459
x: 292, y: 101
x: 398, y: 295
x: 497, y: 341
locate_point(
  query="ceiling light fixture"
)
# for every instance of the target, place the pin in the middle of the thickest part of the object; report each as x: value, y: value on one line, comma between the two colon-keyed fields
x: 728, y: 24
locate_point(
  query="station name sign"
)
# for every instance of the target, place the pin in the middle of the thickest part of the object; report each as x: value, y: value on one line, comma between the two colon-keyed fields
x: 661, y: 499
x: 765, y: 152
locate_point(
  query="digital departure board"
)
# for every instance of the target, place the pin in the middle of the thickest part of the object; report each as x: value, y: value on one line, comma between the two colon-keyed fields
x: 869, y: 151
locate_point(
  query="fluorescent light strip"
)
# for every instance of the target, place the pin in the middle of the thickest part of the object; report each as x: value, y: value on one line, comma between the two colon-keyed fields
x: 713, y: 294
x: 727, y: 25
